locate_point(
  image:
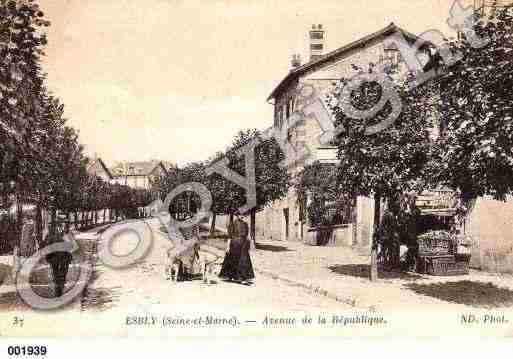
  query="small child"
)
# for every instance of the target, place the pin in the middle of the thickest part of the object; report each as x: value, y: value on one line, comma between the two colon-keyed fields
x: 173, y: 265
x: 181, y: 265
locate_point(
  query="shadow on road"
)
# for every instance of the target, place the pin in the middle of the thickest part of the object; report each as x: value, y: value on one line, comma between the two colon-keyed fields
x: 5, y: 271
x: 353, y: 270
x: 10, y: 301
x: 363, y: 271
x: 476, y: 294
x: 100, y: 299
x: 272, y: 248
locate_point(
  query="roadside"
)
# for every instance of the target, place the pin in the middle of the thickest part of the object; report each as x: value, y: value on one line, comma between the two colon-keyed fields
x: 341, y: 274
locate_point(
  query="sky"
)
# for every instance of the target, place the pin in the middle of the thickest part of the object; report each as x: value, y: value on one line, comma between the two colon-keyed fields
x: 175, y: 80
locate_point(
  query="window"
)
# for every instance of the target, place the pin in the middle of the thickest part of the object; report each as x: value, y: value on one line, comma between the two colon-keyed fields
x: 392, y: 58
x: 316, y: 47
x: 290, y: 107
x: 316, y: 35
x: 277, y: 117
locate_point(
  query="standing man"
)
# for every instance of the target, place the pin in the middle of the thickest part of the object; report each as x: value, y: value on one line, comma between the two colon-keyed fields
x: 59, y: 261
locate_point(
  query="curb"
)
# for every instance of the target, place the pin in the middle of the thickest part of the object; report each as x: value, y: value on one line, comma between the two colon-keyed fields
x: 309, y: 287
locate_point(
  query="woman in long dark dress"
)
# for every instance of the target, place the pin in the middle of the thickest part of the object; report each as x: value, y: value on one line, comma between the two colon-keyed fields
x: 245, y: 272
x: 237, y: 261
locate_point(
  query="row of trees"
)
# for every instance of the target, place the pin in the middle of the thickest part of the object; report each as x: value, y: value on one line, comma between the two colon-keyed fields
x: 471, y: 106
x: 41, y: 159
x: 97, y: 197
x: 272, y: 180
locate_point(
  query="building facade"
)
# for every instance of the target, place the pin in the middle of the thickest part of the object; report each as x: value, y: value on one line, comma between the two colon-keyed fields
x: 133, y: 174
x: 488, y: 224
x: 488, y: 7
x: 137, y: 174
x: 283, y: 220
x: 98, y: 168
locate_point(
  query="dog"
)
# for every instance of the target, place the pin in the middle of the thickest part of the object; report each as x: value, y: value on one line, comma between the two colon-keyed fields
x: 173, y: 266
x: 208, y: 268
x: 203, y: 266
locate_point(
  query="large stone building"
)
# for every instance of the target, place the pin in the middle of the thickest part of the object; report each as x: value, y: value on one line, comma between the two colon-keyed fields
x: 282, y: 220
x: 490, y: 222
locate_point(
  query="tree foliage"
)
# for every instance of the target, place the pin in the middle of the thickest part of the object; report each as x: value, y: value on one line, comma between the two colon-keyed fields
x: 474, y: 153
x: 41, y: 159
x: 393, y: 160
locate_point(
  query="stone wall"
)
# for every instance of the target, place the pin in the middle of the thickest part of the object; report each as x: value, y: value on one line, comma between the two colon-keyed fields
x: 490, y: 225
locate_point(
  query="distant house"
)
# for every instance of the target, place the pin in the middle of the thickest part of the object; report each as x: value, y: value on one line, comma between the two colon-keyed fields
x: 138, y: 174
x: 98, y: 168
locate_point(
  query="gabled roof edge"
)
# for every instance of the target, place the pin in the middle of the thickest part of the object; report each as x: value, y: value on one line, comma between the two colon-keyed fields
x: 307, y: 66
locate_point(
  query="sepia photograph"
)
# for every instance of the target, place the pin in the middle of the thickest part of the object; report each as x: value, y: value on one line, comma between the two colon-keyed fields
x: 241, y: 168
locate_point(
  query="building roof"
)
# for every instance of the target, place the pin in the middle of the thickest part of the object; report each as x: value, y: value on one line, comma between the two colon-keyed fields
x: 295, y: 73
x: 102, y: 164
x: 138, y: 168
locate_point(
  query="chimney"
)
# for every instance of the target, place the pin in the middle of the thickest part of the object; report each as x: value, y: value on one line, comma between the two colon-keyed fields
x: 296, y: 61
x: 316, y: 42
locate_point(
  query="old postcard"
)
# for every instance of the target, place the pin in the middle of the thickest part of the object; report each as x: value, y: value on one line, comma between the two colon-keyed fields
x: 252, y: 168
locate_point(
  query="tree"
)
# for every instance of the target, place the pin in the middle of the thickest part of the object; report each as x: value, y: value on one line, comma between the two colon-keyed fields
x: 389, y: 162
x: 317, y: 185
x: 21, y: 41
x: 474, y: 152
x: 221, y: 190
x: 272, y: 180
x: 21, y: 85
x: 185, y: 204
x: 64, y: 169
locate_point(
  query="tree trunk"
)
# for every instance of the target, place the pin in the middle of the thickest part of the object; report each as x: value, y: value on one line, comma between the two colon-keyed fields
x: 252, y: 226
x: 375, y: 238
x: 230, y: 226
x: 39, y: 224
x: 354, y: 219
x: 53, y: 218
x: 213, y: 224
x: 19, y: 219
x: 17, y: 240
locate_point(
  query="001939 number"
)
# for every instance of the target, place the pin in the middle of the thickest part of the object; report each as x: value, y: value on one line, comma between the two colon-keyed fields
x: 16, y: 350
